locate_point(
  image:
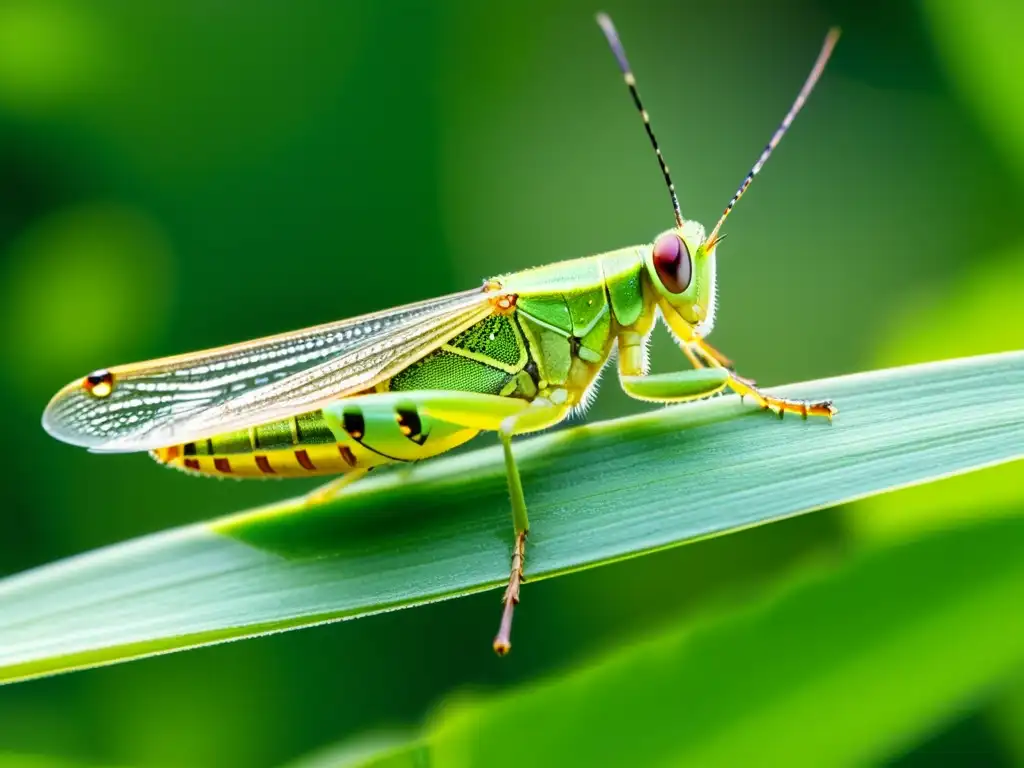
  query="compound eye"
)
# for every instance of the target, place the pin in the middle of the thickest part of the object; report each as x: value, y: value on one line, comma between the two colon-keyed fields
x: 99, y: 383
x: 672, y: 263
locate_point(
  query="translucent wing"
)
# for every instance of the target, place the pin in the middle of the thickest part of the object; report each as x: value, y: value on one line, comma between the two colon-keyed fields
x: 189, y: 397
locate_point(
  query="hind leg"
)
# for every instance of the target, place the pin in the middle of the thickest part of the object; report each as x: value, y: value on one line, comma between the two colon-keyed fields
x: 433, y: 416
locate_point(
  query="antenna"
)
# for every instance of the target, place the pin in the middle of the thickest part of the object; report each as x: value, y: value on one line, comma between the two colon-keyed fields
x: 627, y: 74
x: 819, y: 66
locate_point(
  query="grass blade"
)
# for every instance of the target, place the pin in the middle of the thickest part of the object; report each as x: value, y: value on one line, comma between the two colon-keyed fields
x: 597, y: 493
x: 851, y: 666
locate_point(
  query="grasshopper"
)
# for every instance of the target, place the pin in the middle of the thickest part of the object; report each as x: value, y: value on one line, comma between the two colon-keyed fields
x: 516, y: 355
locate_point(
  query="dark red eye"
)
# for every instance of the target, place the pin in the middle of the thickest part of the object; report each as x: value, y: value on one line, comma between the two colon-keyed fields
x: 672, y: 262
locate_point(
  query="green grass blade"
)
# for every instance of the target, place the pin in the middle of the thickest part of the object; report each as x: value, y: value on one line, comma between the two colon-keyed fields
x: 377, y: 748
x: 852, y: 666
x: 597, y: 493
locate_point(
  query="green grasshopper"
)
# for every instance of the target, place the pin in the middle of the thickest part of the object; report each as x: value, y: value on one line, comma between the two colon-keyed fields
x: 516, y: 355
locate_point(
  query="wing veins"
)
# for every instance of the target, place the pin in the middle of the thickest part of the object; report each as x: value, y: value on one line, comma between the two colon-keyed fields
x: 186, y: 397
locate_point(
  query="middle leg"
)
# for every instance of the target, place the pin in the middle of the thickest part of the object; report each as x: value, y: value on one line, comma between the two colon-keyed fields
x: 712, y: 372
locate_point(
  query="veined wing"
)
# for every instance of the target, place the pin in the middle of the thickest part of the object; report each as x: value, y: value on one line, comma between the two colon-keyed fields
x: 193, y: 396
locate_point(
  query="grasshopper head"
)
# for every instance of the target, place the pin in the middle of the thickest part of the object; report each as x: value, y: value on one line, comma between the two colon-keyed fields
x: 681, y: 267
x: 681, y: 262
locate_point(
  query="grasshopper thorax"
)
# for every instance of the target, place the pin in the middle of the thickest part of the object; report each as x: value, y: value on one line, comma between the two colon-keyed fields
x: 681, y: 269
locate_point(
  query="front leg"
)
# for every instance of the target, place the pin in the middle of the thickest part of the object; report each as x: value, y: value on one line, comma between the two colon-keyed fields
x: 712, y: 372
x: 743, y: 387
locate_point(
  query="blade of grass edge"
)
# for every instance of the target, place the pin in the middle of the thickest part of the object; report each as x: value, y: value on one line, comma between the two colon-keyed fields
x: 597, y: 493
x: 848, y: 665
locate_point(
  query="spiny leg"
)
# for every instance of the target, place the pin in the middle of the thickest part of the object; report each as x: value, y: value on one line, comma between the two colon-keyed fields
x: 528, y: 420
x: 506, y: 416
x: 521, y: 523
x: 710, y: 375
x: 779, y: 405
x: 503, y: 640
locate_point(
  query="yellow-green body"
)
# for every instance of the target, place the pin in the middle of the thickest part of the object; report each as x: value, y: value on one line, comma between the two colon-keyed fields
x: 548, y: 347
x: 512, y: 357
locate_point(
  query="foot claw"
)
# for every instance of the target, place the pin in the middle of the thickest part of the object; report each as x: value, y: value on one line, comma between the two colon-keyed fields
x: 805, y: 408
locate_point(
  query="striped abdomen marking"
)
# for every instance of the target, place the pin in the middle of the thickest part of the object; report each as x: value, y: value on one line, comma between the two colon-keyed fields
x: 297, y: 447
x: 355, y: 433
x: 304, y: 461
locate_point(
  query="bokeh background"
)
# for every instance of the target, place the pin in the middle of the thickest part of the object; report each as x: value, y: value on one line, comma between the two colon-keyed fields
x: 180, y: 175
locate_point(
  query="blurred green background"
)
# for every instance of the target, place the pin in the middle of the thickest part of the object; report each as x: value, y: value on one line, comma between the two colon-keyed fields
x: 180, y: 175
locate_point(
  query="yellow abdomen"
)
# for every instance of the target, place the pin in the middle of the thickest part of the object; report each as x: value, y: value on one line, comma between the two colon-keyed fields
x: 356, y: 436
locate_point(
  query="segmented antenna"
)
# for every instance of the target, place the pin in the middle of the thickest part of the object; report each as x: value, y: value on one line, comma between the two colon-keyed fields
x: 819, y: 66
x: 627, y: 74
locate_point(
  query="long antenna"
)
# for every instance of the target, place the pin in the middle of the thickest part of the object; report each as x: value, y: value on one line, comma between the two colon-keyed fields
x: 627, y: 74
x: 819, y: 66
